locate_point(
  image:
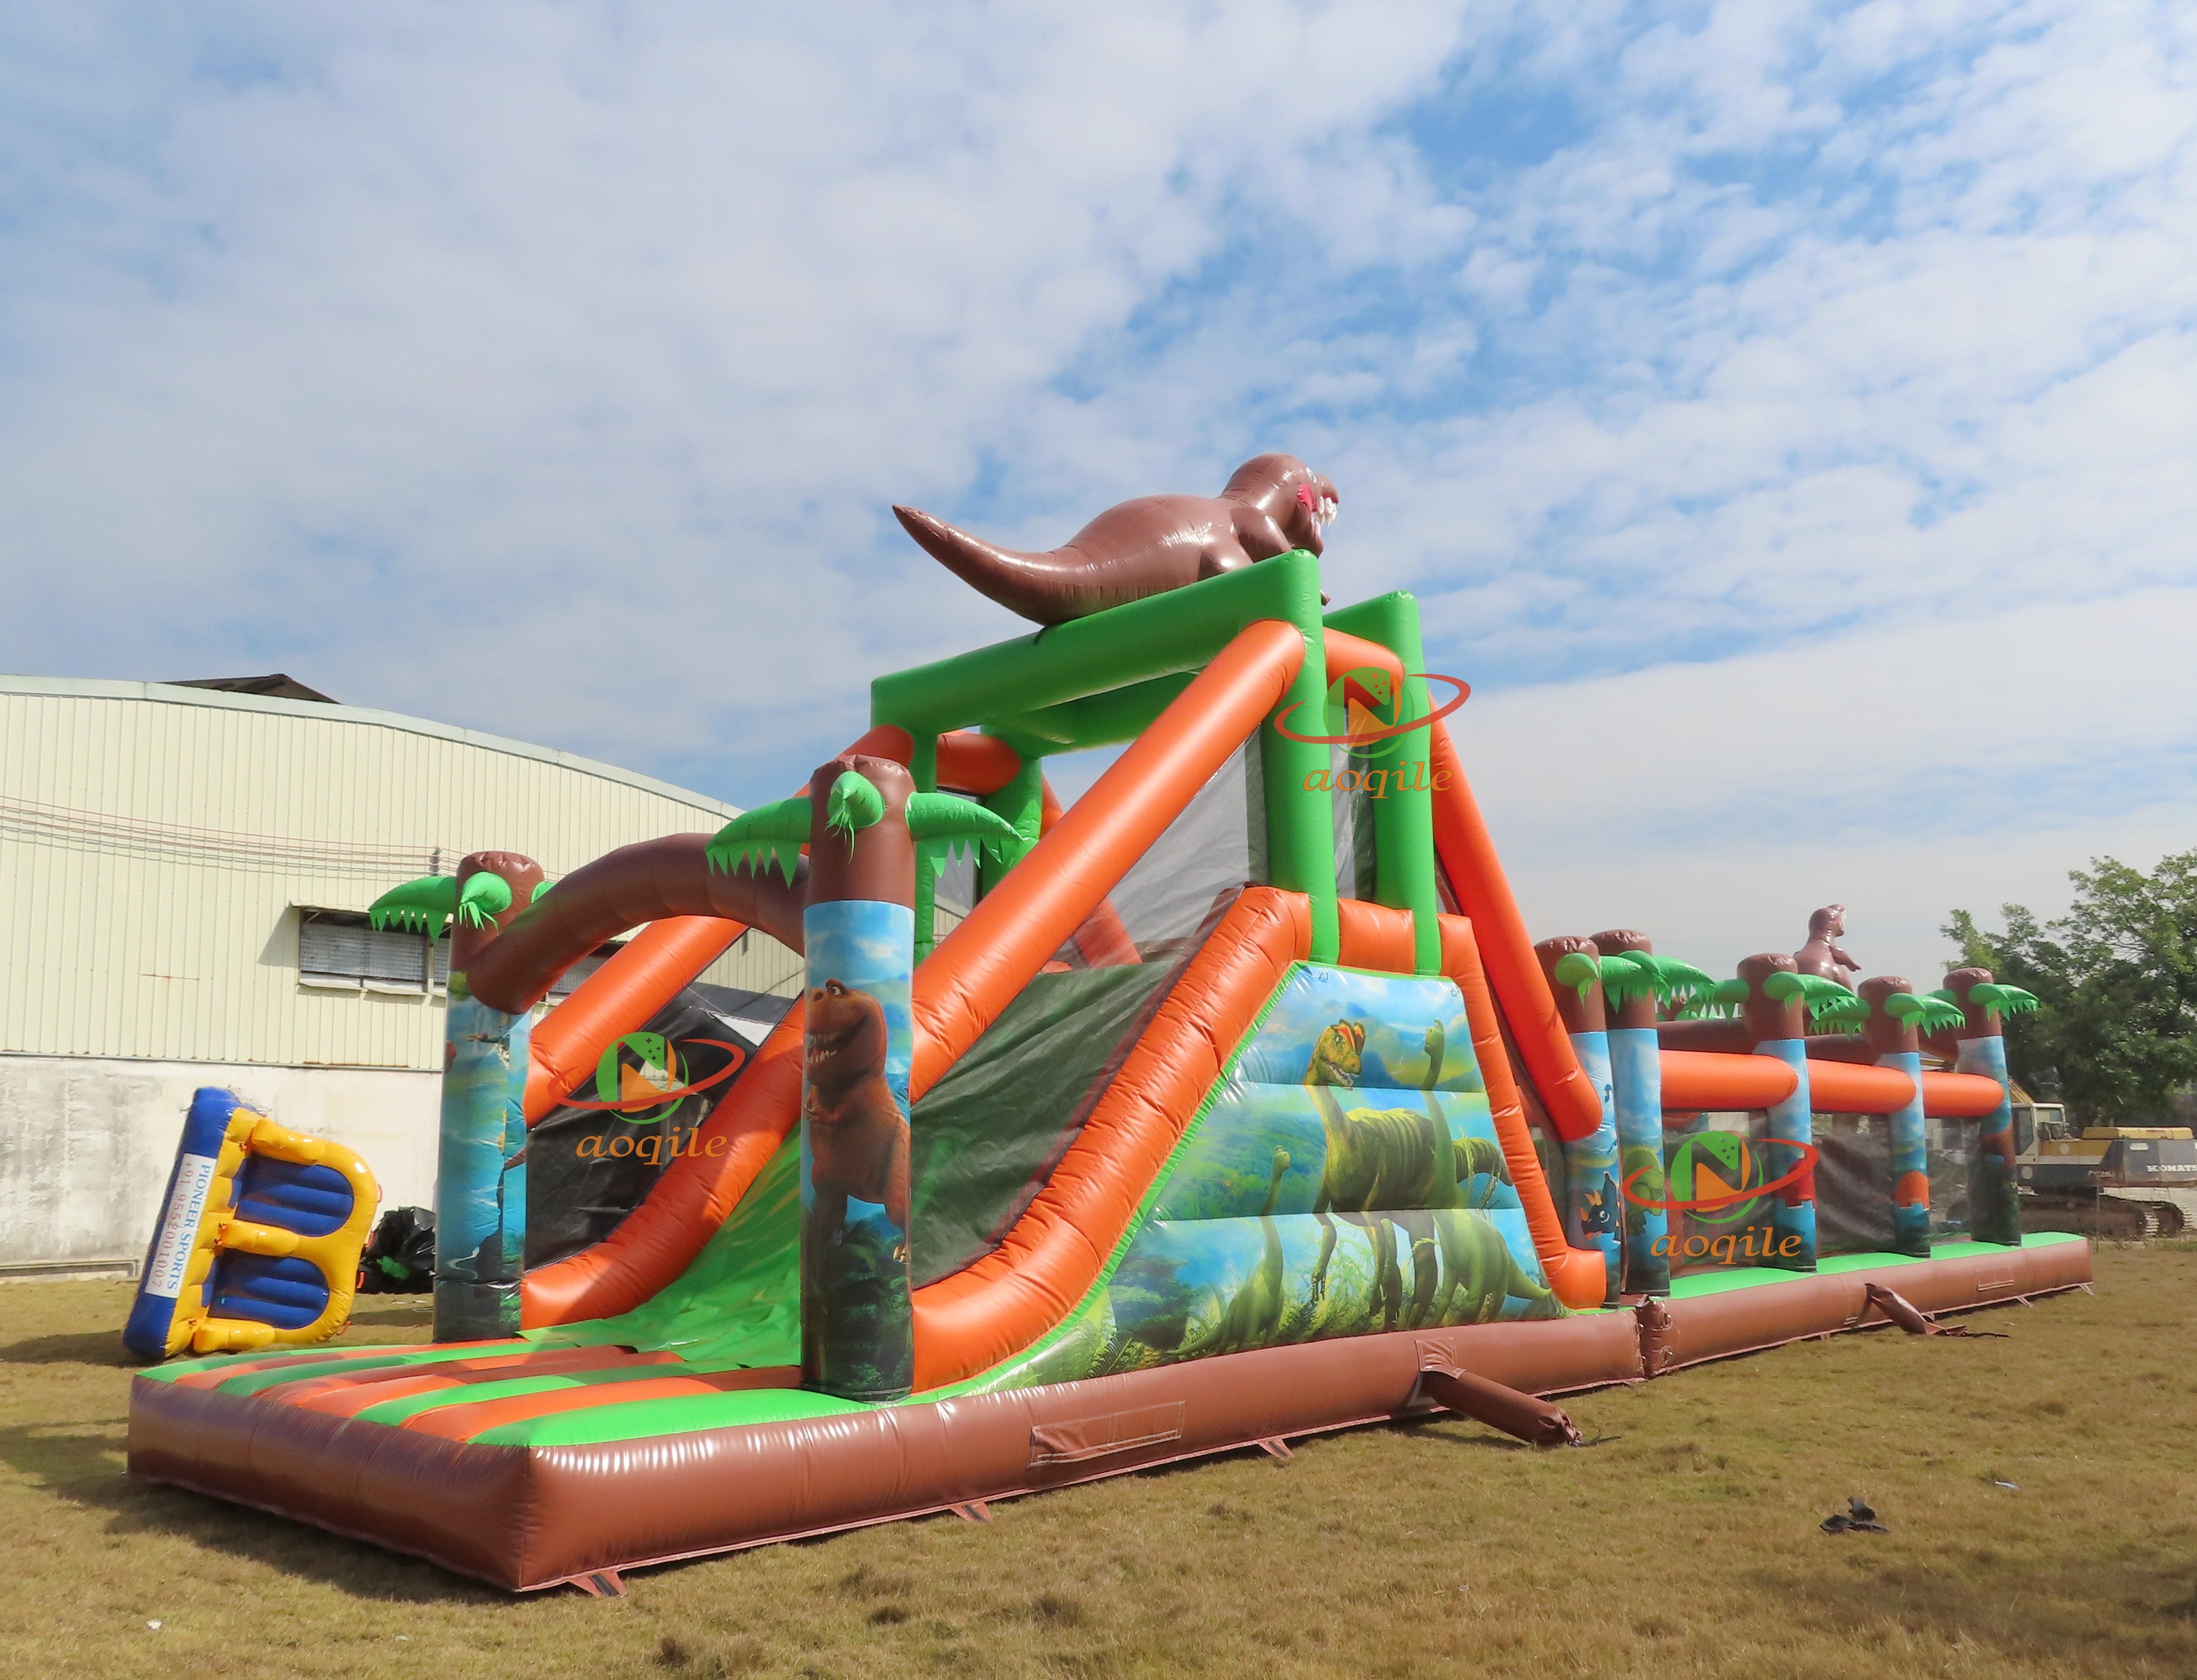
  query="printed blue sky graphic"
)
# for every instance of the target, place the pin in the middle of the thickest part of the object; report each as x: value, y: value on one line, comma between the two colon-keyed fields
x: 1783, y: 413
x: 866, y: 946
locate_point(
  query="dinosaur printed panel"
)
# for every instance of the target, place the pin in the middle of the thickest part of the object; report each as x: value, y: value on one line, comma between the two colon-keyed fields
x: 1369, y: 1083
x: 1344, y: 1180
x: 1194, y: 1288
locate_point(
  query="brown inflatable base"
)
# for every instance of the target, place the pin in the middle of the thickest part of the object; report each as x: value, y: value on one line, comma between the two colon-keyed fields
x: 523, y: 1518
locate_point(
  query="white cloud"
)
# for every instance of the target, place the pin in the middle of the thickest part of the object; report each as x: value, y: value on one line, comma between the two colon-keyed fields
x: 552, y: 370
x: 1901, y: 774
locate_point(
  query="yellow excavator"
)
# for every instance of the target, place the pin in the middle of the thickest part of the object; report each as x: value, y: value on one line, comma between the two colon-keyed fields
x: 2123, y: 1183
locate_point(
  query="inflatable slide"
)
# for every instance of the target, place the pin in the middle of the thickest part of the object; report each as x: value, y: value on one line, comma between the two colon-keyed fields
x: 1240, y: 1106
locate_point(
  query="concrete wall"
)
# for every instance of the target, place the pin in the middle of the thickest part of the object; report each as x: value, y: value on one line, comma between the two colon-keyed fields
x: 86, y: 1143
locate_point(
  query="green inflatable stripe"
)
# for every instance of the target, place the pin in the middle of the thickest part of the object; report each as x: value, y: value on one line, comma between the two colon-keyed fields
x: 1723, y: 1282
x: 256, y: 1382
x: 682, y: 1415
x: 293, y: 1356
x: 410, y: 1405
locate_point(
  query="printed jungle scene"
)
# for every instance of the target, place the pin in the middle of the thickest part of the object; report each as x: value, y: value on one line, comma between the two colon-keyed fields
x: 858, y: 1041
x: 1344, y: 1180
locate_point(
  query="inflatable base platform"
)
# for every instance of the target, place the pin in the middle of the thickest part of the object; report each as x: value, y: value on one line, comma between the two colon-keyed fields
x: 284, y: 1435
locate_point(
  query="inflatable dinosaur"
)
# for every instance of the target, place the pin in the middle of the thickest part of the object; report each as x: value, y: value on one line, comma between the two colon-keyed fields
x: 1270, y: 505
x: 1822, y: 955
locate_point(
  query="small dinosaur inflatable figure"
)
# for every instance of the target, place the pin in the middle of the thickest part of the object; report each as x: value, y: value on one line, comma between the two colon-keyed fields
x: 1270, y: 505
x: 1822, y: 955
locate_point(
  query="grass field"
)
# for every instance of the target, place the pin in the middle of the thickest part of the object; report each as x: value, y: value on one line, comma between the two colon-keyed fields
x: 1685, y: 1544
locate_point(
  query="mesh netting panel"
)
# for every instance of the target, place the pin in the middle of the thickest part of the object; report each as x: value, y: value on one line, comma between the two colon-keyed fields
x: 1212, y: 849
x: 1853, y: 1184
x: 1354, y: 829
x: 988, y: 1134
x: 1952, y: 1145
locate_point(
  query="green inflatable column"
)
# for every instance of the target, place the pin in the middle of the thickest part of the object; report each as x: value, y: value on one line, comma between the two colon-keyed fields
x: 1403, y: 794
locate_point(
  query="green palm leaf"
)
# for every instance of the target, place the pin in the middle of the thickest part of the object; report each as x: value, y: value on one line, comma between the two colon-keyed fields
x: 424, y: 906
x: 767, y: 835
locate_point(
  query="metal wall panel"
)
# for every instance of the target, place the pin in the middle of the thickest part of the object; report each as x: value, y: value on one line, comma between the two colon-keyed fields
x: 155, y: 840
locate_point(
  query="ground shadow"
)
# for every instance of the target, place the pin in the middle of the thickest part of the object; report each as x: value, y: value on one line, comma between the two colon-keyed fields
x: 104, y: 1348
x: 77, y: 1462
x: 78, y: 1347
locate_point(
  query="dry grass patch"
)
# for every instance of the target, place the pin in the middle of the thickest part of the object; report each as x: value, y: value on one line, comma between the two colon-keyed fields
x: 1686, y: 1543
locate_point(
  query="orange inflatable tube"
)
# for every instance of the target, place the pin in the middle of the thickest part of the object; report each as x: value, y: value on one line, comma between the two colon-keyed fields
x: 1053, y: 1254
x: 1856, y: 1087
x: 1958, y: 1096
x: 979, y: 967
x: 1578, y: 1276
x: 1695, y: 1079
x: 1483, y: 893
x: 656, y: 964
x: 659, y: 1239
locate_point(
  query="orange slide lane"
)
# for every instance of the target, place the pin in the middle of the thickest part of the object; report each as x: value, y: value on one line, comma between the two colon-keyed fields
x: 659, y: 1239
x: 1578, y: 1276
x: 1053, y: 1254
x: 974, y: 974
x: 1483, y: 893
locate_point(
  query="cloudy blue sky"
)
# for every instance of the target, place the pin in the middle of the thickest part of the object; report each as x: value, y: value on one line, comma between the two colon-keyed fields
x: 1787, y: 415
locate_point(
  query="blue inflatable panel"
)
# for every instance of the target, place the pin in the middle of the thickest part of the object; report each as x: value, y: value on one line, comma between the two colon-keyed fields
x: 175, y: 1236
x: 258, y: 1237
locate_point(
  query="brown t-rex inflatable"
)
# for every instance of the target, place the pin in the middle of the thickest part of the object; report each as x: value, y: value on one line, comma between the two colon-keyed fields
x: 858, y: 1137
x: 1270, y: 505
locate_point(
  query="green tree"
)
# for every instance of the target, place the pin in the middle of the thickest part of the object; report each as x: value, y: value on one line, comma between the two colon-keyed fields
x: 2117, y: 1035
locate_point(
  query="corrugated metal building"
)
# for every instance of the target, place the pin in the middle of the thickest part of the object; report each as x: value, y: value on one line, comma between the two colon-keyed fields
x: 168, y: 856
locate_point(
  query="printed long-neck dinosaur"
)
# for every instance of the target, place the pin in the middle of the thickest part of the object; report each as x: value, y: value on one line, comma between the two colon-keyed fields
x: 1351, y: 1171
x: 1473, y: 1256
x: 1397, y: 1167
x: 1270, y: 505
x: 1254, y: 1316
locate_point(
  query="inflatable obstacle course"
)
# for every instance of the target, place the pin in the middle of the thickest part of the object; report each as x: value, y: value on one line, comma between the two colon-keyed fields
x: 258, y: 1238
x: 1239, y: 1106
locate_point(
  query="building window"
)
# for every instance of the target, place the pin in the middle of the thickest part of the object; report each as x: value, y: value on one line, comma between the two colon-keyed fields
x: 338, y: 951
